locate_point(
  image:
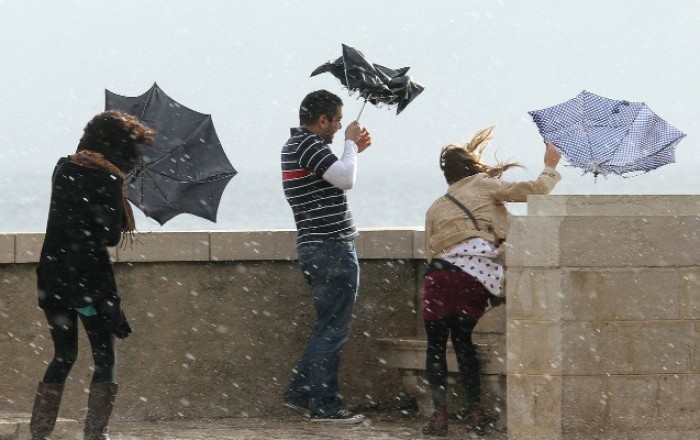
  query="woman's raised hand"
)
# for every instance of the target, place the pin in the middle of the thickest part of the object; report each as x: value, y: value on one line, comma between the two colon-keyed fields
x: 551, y: 156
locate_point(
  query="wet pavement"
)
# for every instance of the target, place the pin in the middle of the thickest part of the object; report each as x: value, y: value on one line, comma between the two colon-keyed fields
x: 378, y: 426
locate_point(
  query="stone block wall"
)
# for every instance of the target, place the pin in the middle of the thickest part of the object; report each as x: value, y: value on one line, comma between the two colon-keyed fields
x: 219, y: 319
x: 603, y: 330
x: 603, y: 338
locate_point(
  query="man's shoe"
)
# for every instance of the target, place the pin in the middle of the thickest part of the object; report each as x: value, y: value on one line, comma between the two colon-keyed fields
x: 298, y: 406
x: 343, y: 416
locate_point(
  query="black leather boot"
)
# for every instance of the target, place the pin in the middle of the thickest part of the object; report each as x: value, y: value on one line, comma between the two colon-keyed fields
x: 438, y: 423
x: 100, y: 405
x: 45, y: 411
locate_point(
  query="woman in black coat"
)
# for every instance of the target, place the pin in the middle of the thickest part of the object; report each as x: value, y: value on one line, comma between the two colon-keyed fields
x: 75, y: 280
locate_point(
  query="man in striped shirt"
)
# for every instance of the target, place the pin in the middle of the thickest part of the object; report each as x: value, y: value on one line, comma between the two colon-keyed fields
x: 314, y: 181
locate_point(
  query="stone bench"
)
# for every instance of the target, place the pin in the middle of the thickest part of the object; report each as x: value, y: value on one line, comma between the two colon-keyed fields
x: 408, y: 355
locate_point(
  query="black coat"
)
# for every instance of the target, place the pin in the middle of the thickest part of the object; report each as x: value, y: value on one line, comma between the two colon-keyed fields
x: 85, y: 217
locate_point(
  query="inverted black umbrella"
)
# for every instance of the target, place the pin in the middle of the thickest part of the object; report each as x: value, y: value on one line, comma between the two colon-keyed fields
x: 608, y: 136
x: 186, y: 169
x: 375, y: 83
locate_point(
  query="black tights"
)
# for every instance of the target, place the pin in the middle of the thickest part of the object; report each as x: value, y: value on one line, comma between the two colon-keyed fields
x: 64, y: 332
x: 460, y: 327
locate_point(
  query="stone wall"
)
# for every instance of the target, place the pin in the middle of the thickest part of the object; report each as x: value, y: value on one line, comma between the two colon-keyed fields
x: 603, y: 336
x: 219, y: 319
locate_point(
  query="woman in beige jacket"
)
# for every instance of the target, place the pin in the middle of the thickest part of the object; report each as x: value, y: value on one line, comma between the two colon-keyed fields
x: 463, y: 231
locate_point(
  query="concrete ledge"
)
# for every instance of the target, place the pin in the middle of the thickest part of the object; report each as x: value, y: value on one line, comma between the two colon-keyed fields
x: 7, y: 248
x: 385, y: 243
x: 165, y: 246
x: 222, y: 246
x: 613, y: 205
x: 419, y: 244
x: 253, y: 245
x: 28, y: 247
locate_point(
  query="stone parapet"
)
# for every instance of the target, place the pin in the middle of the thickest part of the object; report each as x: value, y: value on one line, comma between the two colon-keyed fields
x: 602, y: 318
x: 219, y: 319
x: 603, y: 338
x: 147, y: 247
x: 613, y: 205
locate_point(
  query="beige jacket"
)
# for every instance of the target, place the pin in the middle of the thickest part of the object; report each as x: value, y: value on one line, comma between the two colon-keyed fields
x: 446, y: 225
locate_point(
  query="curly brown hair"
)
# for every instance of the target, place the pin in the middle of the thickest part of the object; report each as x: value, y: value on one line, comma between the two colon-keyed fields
x: 120, y: 137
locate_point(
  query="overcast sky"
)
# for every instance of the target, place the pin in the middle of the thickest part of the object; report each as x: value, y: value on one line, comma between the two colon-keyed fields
x: 247, y: 62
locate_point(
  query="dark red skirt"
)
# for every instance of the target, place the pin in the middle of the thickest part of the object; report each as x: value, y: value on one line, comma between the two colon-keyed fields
x: 453, y: 292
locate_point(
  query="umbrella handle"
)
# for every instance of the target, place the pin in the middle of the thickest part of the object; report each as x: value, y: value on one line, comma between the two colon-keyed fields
x: 361, y: 110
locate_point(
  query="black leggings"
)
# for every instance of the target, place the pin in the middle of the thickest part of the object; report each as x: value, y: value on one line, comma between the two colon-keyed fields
x: 467, y: 357
x: 64, y: 332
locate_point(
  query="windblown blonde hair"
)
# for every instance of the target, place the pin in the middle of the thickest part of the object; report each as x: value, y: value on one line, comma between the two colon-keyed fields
x: 460, y: 161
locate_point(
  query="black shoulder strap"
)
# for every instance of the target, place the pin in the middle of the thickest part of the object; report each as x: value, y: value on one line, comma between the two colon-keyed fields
x: 449, y: 197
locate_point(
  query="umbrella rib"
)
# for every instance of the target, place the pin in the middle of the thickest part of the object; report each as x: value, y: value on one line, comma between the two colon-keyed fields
x: 162, y: 193
x: 155, y: 185
x: 165, y: 199
x: 148, y: 99
x: 184, y: 141
x: 208, y: 179
x: 198, y: 129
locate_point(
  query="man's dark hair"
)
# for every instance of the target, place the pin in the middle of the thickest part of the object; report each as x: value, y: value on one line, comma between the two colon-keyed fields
x: 120, y: 137
x: 315, y: 104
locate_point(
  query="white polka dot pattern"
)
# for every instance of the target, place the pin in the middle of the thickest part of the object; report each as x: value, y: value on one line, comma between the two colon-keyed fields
x: 478, y: 258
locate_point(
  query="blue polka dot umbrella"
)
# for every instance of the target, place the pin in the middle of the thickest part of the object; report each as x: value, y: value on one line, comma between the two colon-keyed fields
x: 607, y: 136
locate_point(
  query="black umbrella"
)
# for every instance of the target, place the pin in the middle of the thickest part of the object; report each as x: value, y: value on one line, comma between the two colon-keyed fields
x: 186, y: 169
x: 375, y: 83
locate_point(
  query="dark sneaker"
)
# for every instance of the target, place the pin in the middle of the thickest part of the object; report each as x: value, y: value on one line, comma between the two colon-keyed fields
x: 297, y: 406
x: 342, y: 416
x: 477, y: 432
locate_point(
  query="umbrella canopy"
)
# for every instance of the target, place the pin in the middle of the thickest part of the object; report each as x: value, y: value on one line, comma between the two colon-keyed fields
x: 375, y: 83
x: 186, y: 169
x: 608, y: 136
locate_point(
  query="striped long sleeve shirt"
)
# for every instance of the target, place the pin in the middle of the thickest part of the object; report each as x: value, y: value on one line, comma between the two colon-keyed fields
x: 320, y: 209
